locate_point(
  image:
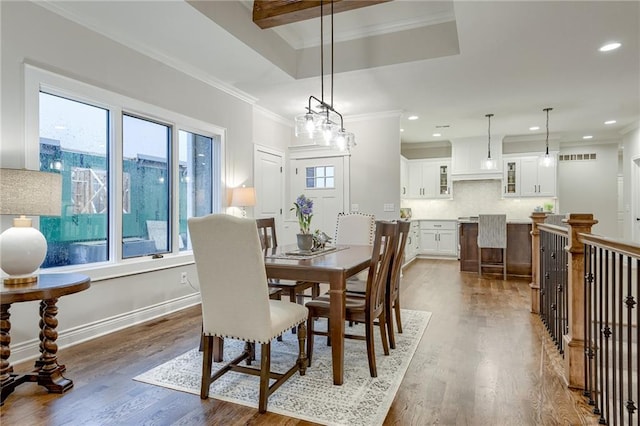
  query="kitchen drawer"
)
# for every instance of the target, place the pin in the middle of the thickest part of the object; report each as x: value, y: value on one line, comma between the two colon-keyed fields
x: 438, y: 224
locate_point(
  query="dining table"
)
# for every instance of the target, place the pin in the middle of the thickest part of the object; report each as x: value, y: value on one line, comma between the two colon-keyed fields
x: 332, y: 265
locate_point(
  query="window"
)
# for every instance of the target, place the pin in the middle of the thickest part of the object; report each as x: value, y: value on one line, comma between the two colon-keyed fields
x: 145, y: 157
x: 73, y: 142
x: 197, y: 157
x: 130, y: 181
x: 320, y: 177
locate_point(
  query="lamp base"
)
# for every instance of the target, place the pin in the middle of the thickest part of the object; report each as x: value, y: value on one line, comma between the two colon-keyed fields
x: 20, y: 280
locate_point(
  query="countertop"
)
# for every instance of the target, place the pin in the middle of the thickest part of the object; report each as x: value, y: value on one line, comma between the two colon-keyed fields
x: 466, y: 220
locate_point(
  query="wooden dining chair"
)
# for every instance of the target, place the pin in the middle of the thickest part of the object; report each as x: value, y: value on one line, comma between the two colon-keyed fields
x: 363, y: 310
x: 392, y: 298
x: 295, y: 289
x: 235, y: 301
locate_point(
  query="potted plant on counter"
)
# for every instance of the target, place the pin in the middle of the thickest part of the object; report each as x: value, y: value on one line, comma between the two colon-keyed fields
x: 304, y: 212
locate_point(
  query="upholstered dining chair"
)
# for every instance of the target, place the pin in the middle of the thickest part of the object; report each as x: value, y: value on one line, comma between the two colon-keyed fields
x: 235, y: 301
x: 355, y: 228
x: 363, y: 310
x: 392, y: 296
x: 492, y: 233
x: 295, y: 289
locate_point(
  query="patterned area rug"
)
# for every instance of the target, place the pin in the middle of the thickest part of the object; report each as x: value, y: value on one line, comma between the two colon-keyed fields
x: 361, y: 400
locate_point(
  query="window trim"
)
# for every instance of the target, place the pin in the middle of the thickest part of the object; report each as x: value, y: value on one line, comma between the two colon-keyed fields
x: 37, y: 79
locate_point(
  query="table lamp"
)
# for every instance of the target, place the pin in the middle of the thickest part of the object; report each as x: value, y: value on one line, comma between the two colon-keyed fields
x: 243, y: 197
x: 23, y: 247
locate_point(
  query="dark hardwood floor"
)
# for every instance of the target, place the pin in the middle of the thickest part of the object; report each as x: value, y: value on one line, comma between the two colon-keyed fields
x: 483, y: 360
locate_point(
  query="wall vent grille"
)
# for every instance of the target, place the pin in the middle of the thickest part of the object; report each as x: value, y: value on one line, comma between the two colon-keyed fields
x: 577, y: 157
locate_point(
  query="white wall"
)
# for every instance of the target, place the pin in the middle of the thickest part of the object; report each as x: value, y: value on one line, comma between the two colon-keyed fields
x: 591, y: 186
x: 31, y: 34
x: 375, y: 164
x: 631, y: 151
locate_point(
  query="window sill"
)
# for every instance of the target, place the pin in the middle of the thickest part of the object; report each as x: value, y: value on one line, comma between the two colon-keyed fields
x: 140, y: 265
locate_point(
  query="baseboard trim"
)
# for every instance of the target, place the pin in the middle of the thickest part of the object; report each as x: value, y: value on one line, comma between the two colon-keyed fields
x: 30, y: 349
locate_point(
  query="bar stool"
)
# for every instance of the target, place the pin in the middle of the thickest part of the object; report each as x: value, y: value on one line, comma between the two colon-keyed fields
x: 492, y: 233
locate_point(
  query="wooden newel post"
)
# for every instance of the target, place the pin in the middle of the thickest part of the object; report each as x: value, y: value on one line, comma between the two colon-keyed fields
x: 536, y: 219
x: 574, y: 342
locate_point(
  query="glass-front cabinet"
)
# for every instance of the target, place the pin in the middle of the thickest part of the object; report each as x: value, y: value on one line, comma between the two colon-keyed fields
x: 526, y: 176
x: 429, y: 178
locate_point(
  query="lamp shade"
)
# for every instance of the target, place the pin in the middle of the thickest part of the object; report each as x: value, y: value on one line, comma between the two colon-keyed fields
x: 243, y: 197
x: 30, y: 193
x: 22, y: 247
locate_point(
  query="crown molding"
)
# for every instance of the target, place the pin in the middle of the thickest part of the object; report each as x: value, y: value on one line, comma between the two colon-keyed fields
x: 373, y: 115
x: 98, y: 27
x: 272, y: 115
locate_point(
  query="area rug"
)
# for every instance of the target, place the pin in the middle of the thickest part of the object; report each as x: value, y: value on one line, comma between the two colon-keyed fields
x: 361, y: 400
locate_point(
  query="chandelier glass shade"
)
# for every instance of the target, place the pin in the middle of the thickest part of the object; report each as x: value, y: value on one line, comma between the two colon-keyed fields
x: 322, y: 123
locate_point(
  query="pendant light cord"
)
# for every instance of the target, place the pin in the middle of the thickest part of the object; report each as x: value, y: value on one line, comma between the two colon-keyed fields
x: 489, y: 138
x: 322, y: 50
x: 332, y: 54
x: 547, y: 143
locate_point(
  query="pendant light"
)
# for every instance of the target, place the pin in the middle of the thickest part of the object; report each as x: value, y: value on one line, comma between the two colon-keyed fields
x: 489, y: 163
x: 323, y: 124
x: 547, y: 160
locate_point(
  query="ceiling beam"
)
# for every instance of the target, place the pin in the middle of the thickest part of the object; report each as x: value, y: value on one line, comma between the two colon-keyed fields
x: 273, y: 13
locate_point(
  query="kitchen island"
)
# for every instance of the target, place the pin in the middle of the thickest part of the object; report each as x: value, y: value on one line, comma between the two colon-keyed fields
x: 518, y: 249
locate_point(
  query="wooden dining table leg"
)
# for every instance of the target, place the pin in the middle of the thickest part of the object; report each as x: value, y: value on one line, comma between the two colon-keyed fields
x: 337, y: 314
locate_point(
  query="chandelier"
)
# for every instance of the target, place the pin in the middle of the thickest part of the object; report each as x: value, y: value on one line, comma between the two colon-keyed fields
x: 322, y: 123
x: 489, y: 163
x: 547, y: 160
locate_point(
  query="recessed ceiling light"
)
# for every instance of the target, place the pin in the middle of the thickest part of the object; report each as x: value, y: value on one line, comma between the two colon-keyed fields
x: 610, y: 122
x: 437, y: 135
x: 610, y: 46
x: 60, y: 127
x: 587, y: 137
x: 532, y: 128
x: 402, y: 130
x: 412, y: 117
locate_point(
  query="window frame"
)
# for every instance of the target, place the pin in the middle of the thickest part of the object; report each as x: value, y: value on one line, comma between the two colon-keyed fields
x: 36, y: 80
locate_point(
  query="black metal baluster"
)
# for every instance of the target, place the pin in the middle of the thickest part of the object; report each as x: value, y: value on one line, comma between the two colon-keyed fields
x: 630, y: 301
x: 588, y: 326
x: 606, y: 335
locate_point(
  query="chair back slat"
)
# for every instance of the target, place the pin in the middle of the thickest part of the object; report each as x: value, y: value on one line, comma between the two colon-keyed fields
x: 384, y: 243
x: 267, y: 230
x: 233, y: 282
x: 396, y: 268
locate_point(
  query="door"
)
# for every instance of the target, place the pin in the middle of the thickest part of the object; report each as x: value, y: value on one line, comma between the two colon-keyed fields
x: 529, y: 176
x: 323, y: 181
x: 269, y: 184
x: 447, y: 242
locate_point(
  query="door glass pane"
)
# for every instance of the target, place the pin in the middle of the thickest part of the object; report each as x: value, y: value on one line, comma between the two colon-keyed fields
x: 73, y: 142
x: 196, y: 169
x: 146, y: 222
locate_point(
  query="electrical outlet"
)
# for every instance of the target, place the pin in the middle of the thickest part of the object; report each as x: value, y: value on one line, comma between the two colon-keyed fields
x: 184, y: 278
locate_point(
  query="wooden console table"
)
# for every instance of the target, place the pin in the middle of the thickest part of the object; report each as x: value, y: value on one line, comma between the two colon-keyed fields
x: 47, y: 289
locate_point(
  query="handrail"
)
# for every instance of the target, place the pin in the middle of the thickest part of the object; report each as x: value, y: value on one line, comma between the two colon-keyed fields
x: 627, y: 248
x: 554, y: 229
x: 600, y: 279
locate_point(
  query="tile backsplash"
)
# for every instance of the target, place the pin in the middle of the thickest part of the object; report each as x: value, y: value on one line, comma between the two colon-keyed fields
x: 474, y: 197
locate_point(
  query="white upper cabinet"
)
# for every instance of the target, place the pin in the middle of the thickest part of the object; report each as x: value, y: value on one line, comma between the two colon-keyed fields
x: 429, y: 178
x: 524, y: 176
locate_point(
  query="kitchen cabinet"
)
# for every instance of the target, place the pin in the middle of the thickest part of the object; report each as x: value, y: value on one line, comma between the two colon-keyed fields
x: 404, y: 177
x: 524, y: 176
x: 413, y: 243
x: 429, y: 178
x: 438, y: 238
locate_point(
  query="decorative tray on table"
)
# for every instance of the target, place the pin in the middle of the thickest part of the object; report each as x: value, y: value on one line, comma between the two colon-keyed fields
x: 312, y: 252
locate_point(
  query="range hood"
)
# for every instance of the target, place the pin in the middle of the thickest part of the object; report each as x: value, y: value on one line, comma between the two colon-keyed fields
x: 467, y: 155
